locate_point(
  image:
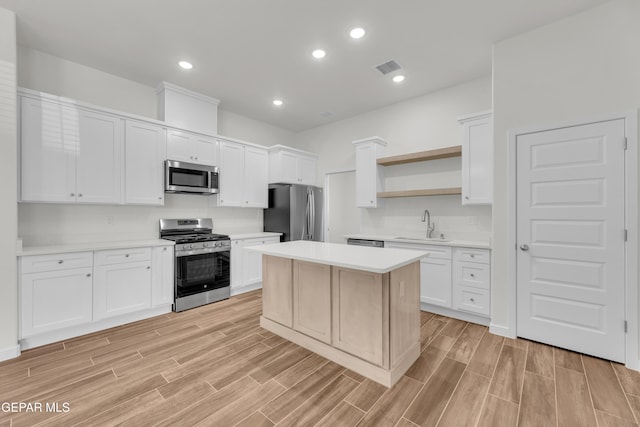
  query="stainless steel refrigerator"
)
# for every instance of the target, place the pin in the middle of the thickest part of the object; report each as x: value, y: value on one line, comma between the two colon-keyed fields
x: 295, y: 211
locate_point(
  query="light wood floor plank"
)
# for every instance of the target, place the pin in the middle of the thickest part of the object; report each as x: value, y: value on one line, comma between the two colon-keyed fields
x: 538, y: 406
x: 466, y: 344
x: 454, y: 328
x: 366, y: 394
x: 540, y: 359
x: 605, y: 388
x: 392, y: 404
x: 634, y: 401
x: 344, y: 415
x: 629, y: 379
x: 498, y: 412
x: 301, y: 370
x: 466, y: 402
x: 608, y: 420
x: 255, y: 420
x: 430, y: 330
x: 313, y: 410
x: 567, y: 359
x: 430, y: 403
x: 486, y: 356
x: 507, y: 381
x: 574, y: 401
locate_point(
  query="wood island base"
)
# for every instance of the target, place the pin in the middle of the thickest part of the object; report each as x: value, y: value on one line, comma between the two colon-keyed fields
x: 366, y: 321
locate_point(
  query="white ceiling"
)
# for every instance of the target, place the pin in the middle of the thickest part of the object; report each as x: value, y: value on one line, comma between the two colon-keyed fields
x: 248, y: 52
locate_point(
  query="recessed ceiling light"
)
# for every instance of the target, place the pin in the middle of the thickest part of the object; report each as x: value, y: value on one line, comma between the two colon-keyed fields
x: 278, y: 102
x: 186, y: 65
x: 319, y: 53
x: 357, y: 33
x: 399, y: 78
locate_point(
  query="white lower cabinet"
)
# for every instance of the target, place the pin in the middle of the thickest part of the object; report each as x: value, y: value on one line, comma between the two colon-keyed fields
x: 246, y: 266
x: 55, y: 299
x: 454, y: 278
x: 124, y: 286
x: 70, y: 294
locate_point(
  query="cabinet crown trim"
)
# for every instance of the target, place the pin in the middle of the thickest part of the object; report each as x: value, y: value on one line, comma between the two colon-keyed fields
x: 475, y: 116
x: 375, y: 139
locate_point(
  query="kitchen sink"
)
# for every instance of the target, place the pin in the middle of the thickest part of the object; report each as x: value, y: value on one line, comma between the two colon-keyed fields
x: 420, y: 239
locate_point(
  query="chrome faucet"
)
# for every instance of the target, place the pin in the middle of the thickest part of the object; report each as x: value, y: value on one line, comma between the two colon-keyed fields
x: 426, y: 217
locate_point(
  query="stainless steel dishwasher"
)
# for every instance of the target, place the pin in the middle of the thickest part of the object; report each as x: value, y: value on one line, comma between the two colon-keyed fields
x: 366, y: 242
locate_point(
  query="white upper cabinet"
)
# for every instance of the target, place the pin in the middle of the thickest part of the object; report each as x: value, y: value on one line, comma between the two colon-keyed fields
x: 145, y: 152
x: 369, y: 176
x: 191, y: 148
x: 256, y: 175
x: 69, y: 154
x: 244, y: 173
x: 291, y: 166
x: 477, y: 159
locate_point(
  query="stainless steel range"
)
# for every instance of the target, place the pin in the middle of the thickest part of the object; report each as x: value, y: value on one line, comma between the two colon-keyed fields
x: 203, y: 260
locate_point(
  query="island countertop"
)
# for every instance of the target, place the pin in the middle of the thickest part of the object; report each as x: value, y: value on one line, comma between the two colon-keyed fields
x: 376, y: 260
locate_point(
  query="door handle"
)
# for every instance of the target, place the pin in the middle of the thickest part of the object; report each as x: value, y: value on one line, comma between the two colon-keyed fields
x: 524, y: 248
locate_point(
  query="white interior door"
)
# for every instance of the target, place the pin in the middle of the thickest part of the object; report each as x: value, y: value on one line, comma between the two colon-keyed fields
x: 571, y: 234
x: 343, y: 217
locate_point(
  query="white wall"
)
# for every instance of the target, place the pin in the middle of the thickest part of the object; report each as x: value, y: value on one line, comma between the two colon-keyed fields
x: 8, y: 193
x: 422, y: 123
x: 51, y: 223
x: 579, y: 67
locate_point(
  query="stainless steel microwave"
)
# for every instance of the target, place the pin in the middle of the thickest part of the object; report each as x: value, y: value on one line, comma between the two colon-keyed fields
x: 182, y: 177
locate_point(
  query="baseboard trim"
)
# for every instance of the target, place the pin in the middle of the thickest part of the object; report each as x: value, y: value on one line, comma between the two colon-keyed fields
x: 44, y: 338
x: 501, y: 330
x: 245, y: 289
x: 9, y: 352
x: 460, y: 315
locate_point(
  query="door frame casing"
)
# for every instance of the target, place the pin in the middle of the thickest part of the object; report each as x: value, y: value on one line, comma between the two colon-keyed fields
x: 632, y: 350
x: 327, y: 190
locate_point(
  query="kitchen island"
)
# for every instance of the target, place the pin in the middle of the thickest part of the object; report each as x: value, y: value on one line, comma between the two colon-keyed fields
x: 357, y: 306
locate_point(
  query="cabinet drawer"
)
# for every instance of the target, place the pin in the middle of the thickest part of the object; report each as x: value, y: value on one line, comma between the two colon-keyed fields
x: 55, y: 262
x: 261, y: 241
x: 118, y: 256
x: 482, y: 256
x: 438, y: 252
x: 472, y: 299
x: 472, y: 274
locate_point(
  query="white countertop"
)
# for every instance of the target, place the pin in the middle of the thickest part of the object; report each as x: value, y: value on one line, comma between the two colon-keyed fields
x: 376, y: 260
x: 392, y: 238
x: 240, y: 236
x: 93, y: 246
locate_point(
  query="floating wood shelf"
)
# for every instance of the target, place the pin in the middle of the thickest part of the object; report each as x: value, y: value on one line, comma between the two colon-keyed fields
x: 440, y: 153
x: 425, y: 192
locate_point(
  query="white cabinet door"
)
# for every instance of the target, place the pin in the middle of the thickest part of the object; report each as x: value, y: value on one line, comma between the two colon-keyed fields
x: 435, y: 281
x: 121, y: 288
x: 307, y: 170
x: 55, y: 299
x: 99, y: 162
x: 231, y: 174
x: 191, y: 148
x: 236, y: 264
x: 162, y: 276
x: 288, y: 172
x: 369, y: 176
x: 49, y: 147
x: 477, y: 160
x: 145, y: 152
x: 256, y: 177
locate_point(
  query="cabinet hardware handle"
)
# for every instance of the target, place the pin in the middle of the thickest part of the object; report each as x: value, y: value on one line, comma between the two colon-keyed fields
x: 473, y: 275
x: 72, y: 194
x: 370, y: 201
x: 60, y: 261
x: 164, y: 249
x: 88, y: 274
x: 79, y: 194
x: 159, y: 198
x: 196, y: 158
x: 221, y: 201
x: 466, y: 197
x: 472, y: 300
x: 472, y: 256
x: 148, y: 267
x: 126, y: 256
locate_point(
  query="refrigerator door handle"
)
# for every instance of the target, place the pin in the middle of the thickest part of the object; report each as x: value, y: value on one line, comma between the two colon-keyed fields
x: 305, y: 224
x: 312, y: 216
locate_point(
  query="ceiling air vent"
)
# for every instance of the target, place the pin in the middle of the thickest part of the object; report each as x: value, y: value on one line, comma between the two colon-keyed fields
x: 388, y: 67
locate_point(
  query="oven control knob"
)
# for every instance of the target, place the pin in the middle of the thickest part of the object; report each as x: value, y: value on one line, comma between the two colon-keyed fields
x: 187, y: 246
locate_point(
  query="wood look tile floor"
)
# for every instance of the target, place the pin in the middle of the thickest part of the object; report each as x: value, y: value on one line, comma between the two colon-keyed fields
x: 215, y: 366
